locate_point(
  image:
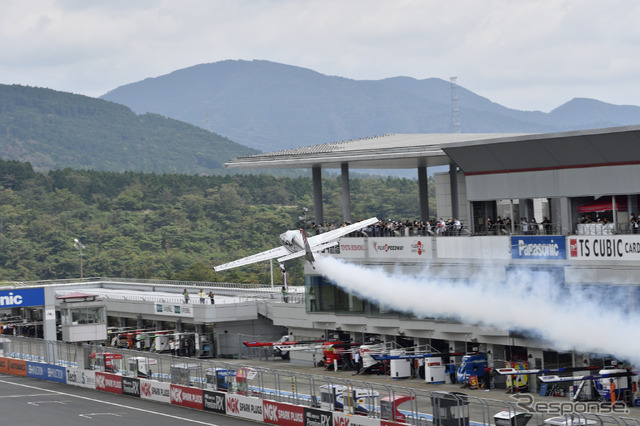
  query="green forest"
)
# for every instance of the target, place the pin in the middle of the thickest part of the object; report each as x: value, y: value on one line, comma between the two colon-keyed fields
x: 167, y: 226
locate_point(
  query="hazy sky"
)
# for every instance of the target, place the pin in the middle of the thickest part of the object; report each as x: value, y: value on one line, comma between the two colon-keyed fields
x: 523, y: 54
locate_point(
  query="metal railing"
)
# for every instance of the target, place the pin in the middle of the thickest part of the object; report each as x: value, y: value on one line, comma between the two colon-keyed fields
x: 294, y: 387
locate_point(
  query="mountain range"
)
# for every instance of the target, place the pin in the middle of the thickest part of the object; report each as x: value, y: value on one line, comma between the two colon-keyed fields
x: 173, y: 123
x: 270, y: 106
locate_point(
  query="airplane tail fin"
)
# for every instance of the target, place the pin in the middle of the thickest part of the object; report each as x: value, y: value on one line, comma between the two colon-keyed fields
x: 307, y: 249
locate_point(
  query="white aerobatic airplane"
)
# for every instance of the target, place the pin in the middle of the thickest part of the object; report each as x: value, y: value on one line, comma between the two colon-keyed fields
x: 296, y: 244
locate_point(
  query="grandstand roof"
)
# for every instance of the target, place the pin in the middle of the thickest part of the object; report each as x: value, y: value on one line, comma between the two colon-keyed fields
x: 473, y: 152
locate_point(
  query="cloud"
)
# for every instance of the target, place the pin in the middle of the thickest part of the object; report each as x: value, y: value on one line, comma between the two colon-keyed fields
x: 531, y: 54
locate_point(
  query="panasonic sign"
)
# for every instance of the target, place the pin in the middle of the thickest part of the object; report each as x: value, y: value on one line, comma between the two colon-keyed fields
x: 538, y: 247
x: 22, y: 297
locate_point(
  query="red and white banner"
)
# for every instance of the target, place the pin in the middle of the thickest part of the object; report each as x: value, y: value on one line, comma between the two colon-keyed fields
x: 155, y: 391
x: 187, y: 397
x: 109, y: 382
x: 340, y: 419
x: 277, y: 413
x: 245, y: 407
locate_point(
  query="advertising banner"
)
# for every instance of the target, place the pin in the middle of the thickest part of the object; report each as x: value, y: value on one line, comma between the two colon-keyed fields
x: 49, y: 372
x: 538, y: 247
x: 187, y: 396
x: 17, y: 367
x: 621, y: 247
x: 315, y: 417
x: 245, y: 407
x: 174, y: 310
x: 4, y: 365
x: 388, y: 423
x: 340, y: 419
x: 82, y: 378
x: 400, y: 248
x: 352, y: 248
x: 277, y: 413
x: 109, y: 382
x: 22, y: 297
x: 155, y: 391
x: 131, y: 386
x: 215, y: 401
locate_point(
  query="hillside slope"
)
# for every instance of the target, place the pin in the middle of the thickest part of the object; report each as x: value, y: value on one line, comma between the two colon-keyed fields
x: 53, y: 130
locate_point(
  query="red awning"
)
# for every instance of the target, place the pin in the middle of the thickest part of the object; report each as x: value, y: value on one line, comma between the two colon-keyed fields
x: 604, y: 204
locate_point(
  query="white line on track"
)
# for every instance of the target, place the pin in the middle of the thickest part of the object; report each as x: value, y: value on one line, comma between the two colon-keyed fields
x: 110, y: 403
x: 25, y: 395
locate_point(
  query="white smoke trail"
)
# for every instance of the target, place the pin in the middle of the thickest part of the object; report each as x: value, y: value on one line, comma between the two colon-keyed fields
x: 568, y: 317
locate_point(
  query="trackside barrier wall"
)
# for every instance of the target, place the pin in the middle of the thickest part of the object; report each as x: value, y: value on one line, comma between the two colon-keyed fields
x: 251, y: 408
x: 270, y: 396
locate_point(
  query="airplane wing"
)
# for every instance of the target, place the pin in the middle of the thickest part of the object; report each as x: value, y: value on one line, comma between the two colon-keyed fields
x: 317, y: 243
x: 556, y: 379
x: 325, y: 237
x: 259, y: 257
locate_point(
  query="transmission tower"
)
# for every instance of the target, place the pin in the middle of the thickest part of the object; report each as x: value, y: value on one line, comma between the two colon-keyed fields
x: 455, y: 110
x: 207, y: 124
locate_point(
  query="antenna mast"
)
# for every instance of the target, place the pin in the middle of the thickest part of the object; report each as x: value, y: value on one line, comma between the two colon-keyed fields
x: 455, y: 110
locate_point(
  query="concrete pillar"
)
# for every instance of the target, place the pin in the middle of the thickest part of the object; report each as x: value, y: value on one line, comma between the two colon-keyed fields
x: 632, y: 202
x: 49, y: 328
x: 581, y: 360
x: 526, y: 208
x: 563, y: 215
x: 318, y: 212
x: 423, y: 192
x: 453, y: 184
x: 513, y: 221
x: 536, y: 360
x: 49, y: 314
x: 346, y: 193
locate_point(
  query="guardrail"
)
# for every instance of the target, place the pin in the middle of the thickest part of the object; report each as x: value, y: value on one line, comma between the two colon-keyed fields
x: 295, y: 294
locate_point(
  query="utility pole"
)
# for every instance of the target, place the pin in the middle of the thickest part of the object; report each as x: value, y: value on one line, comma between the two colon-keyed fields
x: 79, y: 246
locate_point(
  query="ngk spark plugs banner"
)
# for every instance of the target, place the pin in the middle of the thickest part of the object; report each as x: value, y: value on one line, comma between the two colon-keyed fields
x: 340, y: 419
x: 109, y: 382
x: 53, y: 373
x: 131, y: 386
x: 186, y: 396
x: 623, y: 247
x: 245, y: 407
x: 314, y: 417
x: 215, y: 401
x: 155, y: 391
x: 277, y: 413
x: 82, y: 378
x: 538, y: 247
